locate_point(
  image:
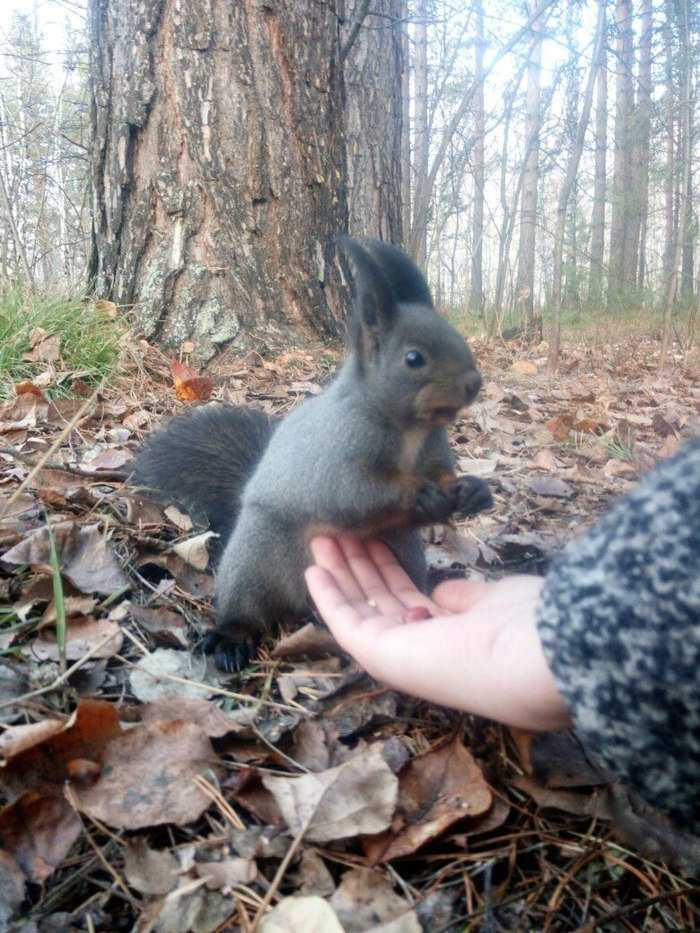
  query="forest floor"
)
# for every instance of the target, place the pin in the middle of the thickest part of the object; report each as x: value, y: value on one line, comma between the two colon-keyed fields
x: 145, y: 790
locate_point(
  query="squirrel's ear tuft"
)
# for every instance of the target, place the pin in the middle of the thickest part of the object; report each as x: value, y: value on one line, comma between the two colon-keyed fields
x: 375, y: 302
x: 405, y: 278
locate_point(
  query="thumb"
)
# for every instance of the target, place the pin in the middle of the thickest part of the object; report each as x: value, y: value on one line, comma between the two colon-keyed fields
x: 458, y: 595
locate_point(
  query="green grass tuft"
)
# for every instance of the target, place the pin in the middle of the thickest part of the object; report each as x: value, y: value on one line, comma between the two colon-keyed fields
x: 89, y: 338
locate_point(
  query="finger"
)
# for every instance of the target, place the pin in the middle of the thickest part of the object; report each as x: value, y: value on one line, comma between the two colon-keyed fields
x: 458, y: 595
x: 368, y: 575
x: 327, y: 553
x: 351, y: 623
x: 382, y: 579
x: 396, y: 580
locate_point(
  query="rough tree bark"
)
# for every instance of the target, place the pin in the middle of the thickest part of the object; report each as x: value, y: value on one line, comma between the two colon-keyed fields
x: 372, y: 56
x: 219, y: 168
x: 418, y: 246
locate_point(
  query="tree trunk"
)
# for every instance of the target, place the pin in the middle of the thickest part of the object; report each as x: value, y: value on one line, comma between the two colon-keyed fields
x: 620, y: 226
x: 419, y: 225
x: 219, y: 179
x: 670, y: 172
x: 405, y: 124
x: 525, y: 282
x: 597, y: 251
x: 476, y: 289
x: 373, y: 68
x: 640, y: 152
x: 567, y: 185
x: 685, y: 153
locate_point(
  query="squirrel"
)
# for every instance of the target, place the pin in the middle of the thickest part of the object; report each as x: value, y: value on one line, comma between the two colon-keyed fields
x: 368, y: 456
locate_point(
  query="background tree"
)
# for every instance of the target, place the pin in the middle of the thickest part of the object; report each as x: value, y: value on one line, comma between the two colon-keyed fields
x: 525, y: 283
x: 43, y: 159
x: 372, y: 54
x: 232, y: 146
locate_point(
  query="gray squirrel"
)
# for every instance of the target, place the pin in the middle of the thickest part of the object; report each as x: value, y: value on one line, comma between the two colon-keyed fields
x: 369, y: 456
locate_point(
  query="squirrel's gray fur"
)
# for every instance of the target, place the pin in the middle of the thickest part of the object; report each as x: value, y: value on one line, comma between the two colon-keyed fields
x: 368, y: 456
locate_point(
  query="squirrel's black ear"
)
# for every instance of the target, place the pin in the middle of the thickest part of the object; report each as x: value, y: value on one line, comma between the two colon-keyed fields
x: 375, y: 302
x: 405, y: 278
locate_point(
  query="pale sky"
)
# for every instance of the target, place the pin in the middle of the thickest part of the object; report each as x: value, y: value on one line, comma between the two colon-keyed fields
x: 51, y: 16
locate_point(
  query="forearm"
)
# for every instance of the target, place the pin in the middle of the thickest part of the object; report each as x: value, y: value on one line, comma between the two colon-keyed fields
x: 619, y: 619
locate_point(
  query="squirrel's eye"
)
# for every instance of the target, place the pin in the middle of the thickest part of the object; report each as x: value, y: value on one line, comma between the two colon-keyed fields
x: 415, y: 359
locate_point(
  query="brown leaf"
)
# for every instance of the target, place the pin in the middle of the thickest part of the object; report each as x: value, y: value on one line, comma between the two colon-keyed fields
x: 313, y: 876
x: 662, y: 426
x: 589, y: 426
x: 37, y: 756
x: 38, y: 833
x: 213, y: 721
x: 113, y: 458
x: 311, y: 641
x: 365, y: 900
x: 222, y: 875
x: 544, y: 460
x: 148, y: 777
x: 560, y: 427
x: 83, y: 634
x: 246, y: 788
x: 549, y: 486
x: 525, y: 367
x: 358, y: 797
x: 435, y: 791
x: 293, y: 914
x: 160, y: 622
x: 620, y: 469
x: 163, y: 673
x: 29, y: 388
x: 150, y: 871
x: 189, y: 385
x: 85, y: 557
x: 47, y: 349
x: 11, y: 887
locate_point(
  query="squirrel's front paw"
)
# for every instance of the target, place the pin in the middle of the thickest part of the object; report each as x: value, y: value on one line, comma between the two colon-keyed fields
x: 471, y: 495
x: 231, y: 655
x: 432, y: 504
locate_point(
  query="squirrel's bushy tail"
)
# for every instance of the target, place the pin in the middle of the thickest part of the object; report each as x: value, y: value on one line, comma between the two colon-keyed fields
x: 202, y: 461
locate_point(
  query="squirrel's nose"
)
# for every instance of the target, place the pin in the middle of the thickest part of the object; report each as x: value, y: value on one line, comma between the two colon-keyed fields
x: 472, y: 386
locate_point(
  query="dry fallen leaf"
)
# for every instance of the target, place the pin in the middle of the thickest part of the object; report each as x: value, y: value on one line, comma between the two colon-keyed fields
x: 148, y: 777
x: 11, y: 888
x: 365, y: 900
x: 525, y: 367
x: 194, y: 550
x: 155, y: 675
x: 148, y: 870
x: 358, y: 797
x: 83, y: 634
x: 85, y: 557
x: 38, y: 833
x: 435, y: 791
x: 549, y: 486
x: 189, y: 385
x: 294, y: 914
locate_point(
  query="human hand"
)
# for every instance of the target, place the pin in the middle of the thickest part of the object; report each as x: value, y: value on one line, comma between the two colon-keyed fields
x: 478, y: 651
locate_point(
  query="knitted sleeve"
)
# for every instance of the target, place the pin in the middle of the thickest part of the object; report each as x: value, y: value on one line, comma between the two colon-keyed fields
x: 619, y: 620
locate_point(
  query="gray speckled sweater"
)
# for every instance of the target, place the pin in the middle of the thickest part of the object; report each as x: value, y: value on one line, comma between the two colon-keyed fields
x: 620, y: 624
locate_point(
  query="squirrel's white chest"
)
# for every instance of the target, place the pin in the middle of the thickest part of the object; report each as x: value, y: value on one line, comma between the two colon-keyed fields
x: 412, y: 444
